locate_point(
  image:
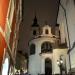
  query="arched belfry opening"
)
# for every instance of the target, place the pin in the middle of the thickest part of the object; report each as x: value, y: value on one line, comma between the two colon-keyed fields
x: 46, y: 47
x: 48, y: 66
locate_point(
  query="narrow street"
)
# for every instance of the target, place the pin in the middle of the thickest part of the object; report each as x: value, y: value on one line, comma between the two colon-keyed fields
x: 37, y: 37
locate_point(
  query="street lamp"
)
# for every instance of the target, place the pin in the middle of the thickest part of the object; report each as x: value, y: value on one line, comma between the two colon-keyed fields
x: 60, y: 64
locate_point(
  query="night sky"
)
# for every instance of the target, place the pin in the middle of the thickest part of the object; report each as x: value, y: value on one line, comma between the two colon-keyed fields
x: 46, y: 10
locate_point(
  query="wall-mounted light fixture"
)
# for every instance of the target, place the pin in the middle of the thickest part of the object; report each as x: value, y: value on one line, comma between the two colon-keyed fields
x: 60, y: 64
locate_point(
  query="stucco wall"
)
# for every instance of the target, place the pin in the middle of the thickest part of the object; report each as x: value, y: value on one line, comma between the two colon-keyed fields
x: 37, y: 61
x: 70, y: 16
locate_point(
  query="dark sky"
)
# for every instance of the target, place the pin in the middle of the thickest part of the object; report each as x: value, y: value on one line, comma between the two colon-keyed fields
x: 46, y: 10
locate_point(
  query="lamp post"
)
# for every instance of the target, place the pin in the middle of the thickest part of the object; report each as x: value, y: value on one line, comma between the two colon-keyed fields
x: 60, y: 64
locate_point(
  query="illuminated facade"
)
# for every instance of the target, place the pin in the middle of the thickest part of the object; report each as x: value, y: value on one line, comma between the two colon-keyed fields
x: 66, y: 19
x: 45, y: 49
x: 10, y: 19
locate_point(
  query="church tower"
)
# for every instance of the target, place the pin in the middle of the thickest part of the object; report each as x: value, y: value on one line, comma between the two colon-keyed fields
x: 35, y: 28
x: 44, y: 51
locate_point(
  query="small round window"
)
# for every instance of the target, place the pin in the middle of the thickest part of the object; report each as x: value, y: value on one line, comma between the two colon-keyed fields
x: 46, y: 31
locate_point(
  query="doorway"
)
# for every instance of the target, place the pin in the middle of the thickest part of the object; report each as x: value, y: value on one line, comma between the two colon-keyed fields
x: 48, y: 66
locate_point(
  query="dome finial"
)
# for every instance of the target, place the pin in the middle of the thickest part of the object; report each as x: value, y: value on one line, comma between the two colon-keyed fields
x: 35, y: 24
x: 35, y: 18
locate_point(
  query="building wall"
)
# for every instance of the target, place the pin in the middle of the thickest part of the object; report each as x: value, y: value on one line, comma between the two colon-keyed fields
x: 56, y: 56
x: 69, y: 7
x: 2, y: 46
x: 3, y: 13
x: 9, y: 27
x: 37, y: 60
x: 71, y: 26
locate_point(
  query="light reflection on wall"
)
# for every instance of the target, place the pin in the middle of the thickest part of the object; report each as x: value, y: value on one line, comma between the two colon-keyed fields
x: 5, y: 67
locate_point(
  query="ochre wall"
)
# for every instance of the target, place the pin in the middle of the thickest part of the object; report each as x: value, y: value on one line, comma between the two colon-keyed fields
x: 4, y: 4
x: 2, y: 46
x: 3, y: 12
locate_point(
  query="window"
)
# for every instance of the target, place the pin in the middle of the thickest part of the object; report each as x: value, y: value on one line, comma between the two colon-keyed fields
x: 46, y: 47
x: 74, y: 2
x: 46, y: 31
x: 34, y: 32
x: 32, y: 49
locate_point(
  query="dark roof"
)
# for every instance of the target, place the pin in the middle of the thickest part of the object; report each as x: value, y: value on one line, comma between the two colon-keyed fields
x: 57, y: 25
x: 35, y: 24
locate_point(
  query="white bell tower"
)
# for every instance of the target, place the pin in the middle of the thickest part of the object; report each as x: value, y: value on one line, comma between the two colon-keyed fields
x: 35, y: 28
x: 43, y: 52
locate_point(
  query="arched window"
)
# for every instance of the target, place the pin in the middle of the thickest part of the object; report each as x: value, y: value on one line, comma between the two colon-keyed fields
x: 46, y: 31
x: 32, y: 49
x: 46, y: 47
x: 34, y: 32
x: 48, y: 66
